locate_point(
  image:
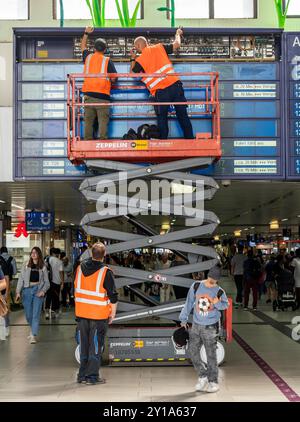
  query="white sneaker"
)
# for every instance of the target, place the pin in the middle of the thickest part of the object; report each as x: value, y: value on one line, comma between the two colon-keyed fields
x: 7, y: 332
x: 29, y: 335
x: 201, y: 384
x: 33, y: 340
x: 212, y: 387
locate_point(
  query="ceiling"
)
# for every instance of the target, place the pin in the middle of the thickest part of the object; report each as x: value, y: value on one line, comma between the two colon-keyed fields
x: 241, y: 205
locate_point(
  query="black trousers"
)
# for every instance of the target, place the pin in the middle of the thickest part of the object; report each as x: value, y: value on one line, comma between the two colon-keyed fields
x: 91, y: 339
x: 52, y: 297
x: 239, y: 282
x: 66, y: 291
x: 173, y: 93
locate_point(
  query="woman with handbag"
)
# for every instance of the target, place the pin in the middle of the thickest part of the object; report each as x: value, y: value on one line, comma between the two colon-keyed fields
x: 33, y: 284
x: 3, y: 305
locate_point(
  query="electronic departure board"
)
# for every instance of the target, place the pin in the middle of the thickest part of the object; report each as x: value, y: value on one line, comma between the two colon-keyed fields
x: 252, y: 110
x: 292, y: 71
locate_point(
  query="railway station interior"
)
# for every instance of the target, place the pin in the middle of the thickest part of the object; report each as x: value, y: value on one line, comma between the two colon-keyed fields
x: 150, y: 253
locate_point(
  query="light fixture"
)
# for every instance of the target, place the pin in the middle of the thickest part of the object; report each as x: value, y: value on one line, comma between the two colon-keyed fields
x: 162, y: 232
x: 284, y: 219
x: 274, y: 225
x: 237, y: 233
x: 62, y: 221
x: 17, y: 206
x: 2, y: 202
x: 72, y: 224
x: 246, y: 229
x: 217, y: 237
x: 298, y: 216
x: 252, y: 228
x: 165, y: 226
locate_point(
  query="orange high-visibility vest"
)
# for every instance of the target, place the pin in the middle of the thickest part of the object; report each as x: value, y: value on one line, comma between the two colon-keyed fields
x: 154, y: 59
x: 96, y: 63
x: 91, y: 300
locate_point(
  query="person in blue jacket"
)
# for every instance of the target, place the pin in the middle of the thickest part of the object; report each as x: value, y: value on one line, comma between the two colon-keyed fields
x: 207, y: 301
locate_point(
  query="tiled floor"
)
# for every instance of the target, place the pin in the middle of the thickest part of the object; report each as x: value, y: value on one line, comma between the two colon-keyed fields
x: 47, y: 371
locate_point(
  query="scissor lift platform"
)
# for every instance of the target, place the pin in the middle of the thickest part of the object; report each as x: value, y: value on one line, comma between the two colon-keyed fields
x: 154, y: 150
x: 169, y: 159
x: 205, y: 144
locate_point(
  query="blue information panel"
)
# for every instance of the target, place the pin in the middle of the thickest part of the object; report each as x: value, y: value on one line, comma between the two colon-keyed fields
x: 251, y: 104
x: 39, y: 221
x: 292, y: 70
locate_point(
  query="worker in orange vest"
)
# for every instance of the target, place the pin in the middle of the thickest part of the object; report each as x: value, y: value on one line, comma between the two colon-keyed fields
x: 95, y: 307
x: 96, y: 90
x: 154, y: 59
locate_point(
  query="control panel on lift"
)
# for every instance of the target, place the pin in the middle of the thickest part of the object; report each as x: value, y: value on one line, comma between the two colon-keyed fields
x: 259, y: 47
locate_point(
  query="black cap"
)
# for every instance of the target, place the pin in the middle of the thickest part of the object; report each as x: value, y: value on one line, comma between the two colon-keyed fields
x: 181, y: 336
x: 215, y: 273
x: 100, y: 45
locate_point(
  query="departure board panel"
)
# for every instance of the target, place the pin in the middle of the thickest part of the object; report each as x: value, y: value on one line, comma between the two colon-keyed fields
x: 292, y: 70
x: 249, y: 90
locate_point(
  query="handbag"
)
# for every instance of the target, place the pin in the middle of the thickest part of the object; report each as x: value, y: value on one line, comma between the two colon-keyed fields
x: 3, y: 306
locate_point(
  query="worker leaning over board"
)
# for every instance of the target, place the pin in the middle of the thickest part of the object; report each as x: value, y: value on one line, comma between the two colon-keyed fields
x: 96, y: 90
x: 154, y: 59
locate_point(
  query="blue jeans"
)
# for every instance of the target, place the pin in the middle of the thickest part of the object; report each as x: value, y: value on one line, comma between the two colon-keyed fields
x: 173, y: 93
x: 33, y: 307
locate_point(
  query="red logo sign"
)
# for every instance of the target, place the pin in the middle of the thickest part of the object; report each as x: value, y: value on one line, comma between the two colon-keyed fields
x: 21, y: 230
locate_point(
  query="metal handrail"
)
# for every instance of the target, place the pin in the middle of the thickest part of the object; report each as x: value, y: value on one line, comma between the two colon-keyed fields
x: 210, y: 85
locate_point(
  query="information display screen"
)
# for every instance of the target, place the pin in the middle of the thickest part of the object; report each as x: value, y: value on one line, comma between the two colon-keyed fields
x: 292, y: 71
x: 251, y: 106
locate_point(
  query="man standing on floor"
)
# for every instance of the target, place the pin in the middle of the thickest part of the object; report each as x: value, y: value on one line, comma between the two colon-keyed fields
x: 206, y: 299
x: 252, y: 273
x: 237, y: 270
x: 95, y: 307
x: 168, y: 88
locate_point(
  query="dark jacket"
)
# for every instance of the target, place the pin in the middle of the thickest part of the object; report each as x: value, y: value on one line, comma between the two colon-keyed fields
x: 252, y: 270
x: 89, y: 267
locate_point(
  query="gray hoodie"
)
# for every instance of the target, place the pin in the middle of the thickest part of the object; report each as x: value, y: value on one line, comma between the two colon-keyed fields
x: 24, y: 278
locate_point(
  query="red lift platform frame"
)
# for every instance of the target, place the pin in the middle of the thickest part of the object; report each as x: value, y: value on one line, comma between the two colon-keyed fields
x: 154, y: 150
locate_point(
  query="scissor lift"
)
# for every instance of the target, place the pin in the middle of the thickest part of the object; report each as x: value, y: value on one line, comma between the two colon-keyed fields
x: 154, y: 159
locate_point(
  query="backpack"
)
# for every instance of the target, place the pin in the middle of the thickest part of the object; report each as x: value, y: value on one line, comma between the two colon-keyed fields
x: 255, y: 270
x: 4, y: 266
x: 196, y: 285
x: 10, y: 268
x: 49, y: 268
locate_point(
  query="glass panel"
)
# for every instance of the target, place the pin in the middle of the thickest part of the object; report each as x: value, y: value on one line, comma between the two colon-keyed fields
x: 234, y: 9
x: 191, y: 9
x: 14, y: 9
x: 78, y: 9
x: 294, y: 8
